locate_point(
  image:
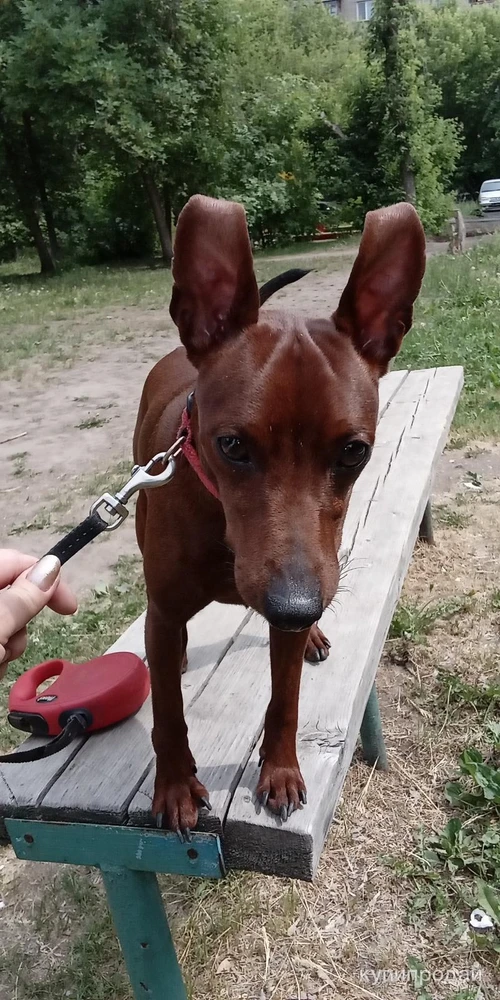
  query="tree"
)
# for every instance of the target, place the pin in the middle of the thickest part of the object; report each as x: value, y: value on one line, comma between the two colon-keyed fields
x: 163, y: 91
x: 399, y: 147
x: 135, y: 83
x: 12, y: 231
x: 461, y: 54
x: 287, y: 60
x: 48, y: 50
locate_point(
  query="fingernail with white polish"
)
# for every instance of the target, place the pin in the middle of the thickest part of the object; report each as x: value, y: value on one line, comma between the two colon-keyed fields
x: 45, y: 572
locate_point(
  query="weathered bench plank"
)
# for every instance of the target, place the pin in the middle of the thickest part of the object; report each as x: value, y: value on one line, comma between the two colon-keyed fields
x: 388, y: 387
x: 333, y: 697
x: 100, y: 781
x: 224, y: 722
x: 95, y: 780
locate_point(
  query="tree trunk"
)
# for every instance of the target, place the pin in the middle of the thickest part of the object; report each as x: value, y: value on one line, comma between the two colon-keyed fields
x: 26, y: 204
x: 167, y: 202
x: 34, y: 154
x: 158, y: 210
x: 409, y: 182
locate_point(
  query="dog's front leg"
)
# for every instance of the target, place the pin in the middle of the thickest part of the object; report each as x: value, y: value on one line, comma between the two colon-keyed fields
x: 178, y: 794
x: 281, y: 786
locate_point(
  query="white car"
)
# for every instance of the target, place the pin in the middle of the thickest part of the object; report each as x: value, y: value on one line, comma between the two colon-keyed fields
x: 489, y: 195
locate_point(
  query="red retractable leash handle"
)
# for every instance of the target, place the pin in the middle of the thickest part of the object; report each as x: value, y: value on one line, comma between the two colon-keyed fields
x: 84, y: 698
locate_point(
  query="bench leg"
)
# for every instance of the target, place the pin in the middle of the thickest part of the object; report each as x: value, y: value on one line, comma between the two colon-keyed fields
x: 142, y: 927
x: 426, y: 531
x: 372, y: 737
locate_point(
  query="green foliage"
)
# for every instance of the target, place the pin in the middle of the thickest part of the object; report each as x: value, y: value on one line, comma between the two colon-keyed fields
x: 270, y: 169
x: 451, y: 517
x: 114, y: 219
x: 459, y: 694
x: 113, y: 114
x: 459, y: 867
x: 12, y: 231
x: 413, y: 621
x: 461, y: 55
x: 481, y: 789
x: 398, y: 146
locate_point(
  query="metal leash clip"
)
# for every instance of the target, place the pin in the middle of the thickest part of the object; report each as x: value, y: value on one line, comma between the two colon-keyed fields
x: 114, y: 506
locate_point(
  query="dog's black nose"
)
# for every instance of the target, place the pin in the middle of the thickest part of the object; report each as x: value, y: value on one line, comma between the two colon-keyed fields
x: 293, y: 605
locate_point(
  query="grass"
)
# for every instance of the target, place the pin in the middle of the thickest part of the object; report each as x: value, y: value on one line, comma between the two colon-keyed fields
x: 88, y: 487
x: 451, y: 517
x: 457, y: 320
x: 469, y: 208
x: 74, y: 906
x: 19, y: 463
x: 413, y: 621
x: 458, y: 695
x: 90, y: 422
x: 105, y: 480
x: 71, y: 921
x: 301, y: 248
x: 457, y: 869
x: 454, y: 867
x: 43, y: 519
x: 101, y: 618
x: 56, y: 319
x: 26, y: 298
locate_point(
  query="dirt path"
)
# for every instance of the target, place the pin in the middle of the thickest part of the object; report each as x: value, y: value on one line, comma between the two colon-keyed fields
x: 78, y: 423
x: 433, y: 247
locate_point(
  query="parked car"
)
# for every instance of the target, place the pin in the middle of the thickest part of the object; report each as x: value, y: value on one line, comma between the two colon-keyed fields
x: 489, y: 195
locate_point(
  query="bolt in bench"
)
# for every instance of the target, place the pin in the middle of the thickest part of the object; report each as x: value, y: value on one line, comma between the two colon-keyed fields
x: 91, y: 803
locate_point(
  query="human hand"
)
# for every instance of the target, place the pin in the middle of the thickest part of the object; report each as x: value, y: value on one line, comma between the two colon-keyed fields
x: 26, y: 586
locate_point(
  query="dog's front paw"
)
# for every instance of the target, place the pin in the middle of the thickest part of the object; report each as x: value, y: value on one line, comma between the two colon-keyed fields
x: 281, y: 789
x: 176, y: 804
x: 318, y: 646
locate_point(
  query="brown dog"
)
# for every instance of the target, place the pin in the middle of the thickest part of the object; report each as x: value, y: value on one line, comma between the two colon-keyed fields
x: 283, y: 421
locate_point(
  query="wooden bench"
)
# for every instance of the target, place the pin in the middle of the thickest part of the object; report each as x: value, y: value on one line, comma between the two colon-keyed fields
x: 91, y: 803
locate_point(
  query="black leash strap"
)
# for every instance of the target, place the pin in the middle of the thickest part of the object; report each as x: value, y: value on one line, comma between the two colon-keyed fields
x: 114, y: 506
x: 75, y: 726
x: 78, y: 537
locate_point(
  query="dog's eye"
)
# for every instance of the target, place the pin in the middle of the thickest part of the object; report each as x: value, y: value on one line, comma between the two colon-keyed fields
x: 233, y: 449
x: 354, y: 454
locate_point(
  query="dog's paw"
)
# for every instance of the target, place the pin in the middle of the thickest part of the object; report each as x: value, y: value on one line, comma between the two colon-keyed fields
x: 176, y: 805
x: 281, y: 789
x: 318, y: 646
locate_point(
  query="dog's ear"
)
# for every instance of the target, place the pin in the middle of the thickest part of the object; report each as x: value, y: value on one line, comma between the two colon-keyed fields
x: 215, y: 293
x: 376, y: 307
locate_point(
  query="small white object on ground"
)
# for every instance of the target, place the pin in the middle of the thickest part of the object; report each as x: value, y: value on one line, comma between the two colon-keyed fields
x: 480, y: 921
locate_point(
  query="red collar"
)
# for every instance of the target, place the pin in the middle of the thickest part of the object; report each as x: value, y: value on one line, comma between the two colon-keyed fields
x: 188, y: 449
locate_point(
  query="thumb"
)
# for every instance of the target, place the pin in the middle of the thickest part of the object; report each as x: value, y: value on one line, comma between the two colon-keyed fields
x: 27, y: 596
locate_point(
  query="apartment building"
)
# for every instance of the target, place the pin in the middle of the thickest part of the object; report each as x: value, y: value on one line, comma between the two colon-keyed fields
x: 362, y: 10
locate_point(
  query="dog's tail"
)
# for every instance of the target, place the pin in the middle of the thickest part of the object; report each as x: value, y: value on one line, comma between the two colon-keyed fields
x: 279, y: 281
